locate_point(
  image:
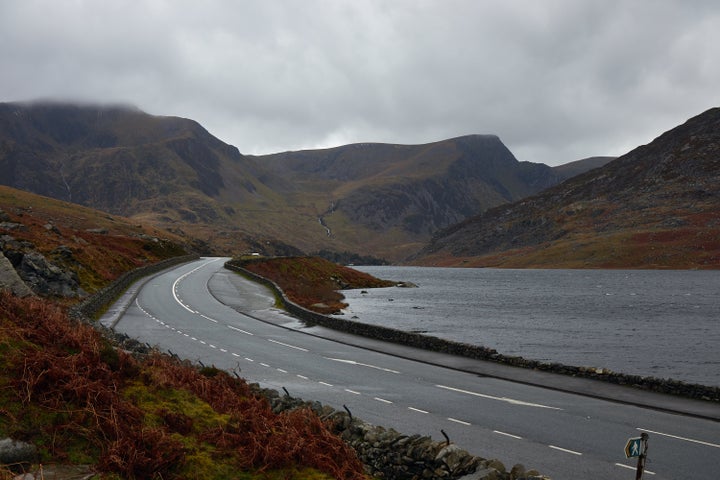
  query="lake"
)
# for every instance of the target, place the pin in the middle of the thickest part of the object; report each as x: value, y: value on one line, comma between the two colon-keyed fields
x: 663, y: 324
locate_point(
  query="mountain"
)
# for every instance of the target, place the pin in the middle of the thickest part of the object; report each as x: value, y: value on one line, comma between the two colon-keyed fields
x: 168, y: 171
x: 657, y: 206
x: 404, y: 193
x: 375, y: 200
x: 577, y: 167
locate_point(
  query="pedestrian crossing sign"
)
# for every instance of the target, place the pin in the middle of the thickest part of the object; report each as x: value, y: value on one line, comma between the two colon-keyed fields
x: 633, y: 447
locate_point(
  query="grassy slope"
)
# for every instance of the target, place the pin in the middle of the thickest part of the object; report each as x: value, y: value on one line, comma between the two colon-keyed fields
x: 313, y: 282
x: 69, y: 391
x: 97, y: 258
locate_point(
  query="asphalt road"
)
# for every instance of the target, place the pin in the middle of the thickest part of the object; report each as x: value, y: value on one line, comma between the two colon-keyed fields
x: 195, y: 311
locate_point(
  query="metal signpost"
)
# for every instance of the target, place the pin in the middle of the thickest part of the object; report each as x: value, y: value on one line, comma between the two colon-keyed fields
x: 637, y: 447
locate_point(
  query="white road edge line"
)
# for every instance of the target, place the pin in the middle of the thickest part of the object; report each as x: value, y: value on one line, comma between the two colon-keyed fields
x: 507, y: 434
x: 715, y: 445
x: 287, y: 345
x: 180, y: 278
x: 565, y: 450
x: 501, y: 399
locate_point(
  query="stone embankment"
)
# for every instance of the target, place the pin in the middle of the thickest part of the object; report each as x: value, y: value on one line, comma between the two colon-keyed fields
x: 668, y: 386
x: 387, y: 453
x: 95, y: 304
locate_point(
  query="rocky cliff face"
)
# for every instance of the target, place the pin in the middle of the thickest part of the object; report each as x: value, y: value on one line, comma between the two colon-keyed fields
x: 117, y: 159
x: 415, y: 188
x: 657, y: 205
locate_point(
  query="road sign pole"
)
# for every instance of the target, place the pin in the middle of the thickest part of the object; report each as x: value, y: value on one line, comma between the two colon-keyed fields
x: 641, y: 458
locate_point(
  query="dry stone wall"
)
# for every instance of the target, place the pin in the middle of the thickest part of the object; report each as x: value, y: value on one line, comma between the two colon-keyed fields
x: 673, y: 387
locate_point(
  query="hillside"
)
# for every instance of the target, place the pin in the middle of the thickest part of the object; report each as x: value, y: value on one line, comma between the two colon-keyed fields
x: 312, y: 282
x: 655, y: 207
x: 368, y: 199
x: 65, y: 251
x: 89, y: 406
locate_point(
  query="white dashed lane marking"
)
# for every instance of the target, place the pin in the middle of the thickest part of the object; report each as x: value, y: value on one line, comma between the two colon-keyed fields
x: 287, y: 345
x: 572, y: 452
x: 461, y: 422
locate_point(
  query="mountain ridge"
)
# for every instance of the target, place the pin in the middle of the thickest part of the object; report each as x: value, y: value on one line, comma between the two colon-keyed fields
x: 381, y: 200
x: 655, y: 206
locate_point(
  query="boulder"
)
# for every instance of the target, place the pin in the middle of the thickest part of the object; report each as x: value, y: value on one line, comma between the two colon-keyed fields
x: 16, y: 454
x: 11, y: 280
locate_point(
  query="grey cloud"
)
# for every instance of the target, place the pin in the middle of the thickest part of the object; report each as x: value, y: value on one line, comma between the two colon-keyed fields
x: 557, y: 80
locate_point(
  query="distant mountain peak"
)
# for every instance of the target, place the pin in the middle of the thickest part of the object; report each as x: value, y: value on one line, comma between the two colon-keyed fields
x: 656, y: 206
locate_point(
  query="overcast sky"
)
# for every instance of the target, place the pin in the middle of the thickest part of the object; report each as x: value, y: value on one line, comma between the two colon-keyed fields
x: 556, y: 80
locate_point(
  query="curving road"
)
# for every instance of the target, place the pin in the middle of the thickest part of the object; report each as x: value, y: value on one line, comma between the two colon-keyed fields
x: 205, y: 313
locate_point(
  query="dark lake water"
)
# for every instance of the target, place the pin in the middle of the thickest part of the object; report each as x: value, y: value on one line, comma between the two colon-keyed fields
x: 663, y: 324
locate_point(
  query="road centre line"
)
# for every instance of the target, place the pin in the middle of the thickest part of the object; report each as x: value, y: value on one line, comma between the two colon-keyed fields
x: 208, y: 318
x: 507, y: 434
x: 302, y: 376
x: 634, y: 468
x: 326, y: 384
x: 417, y: 410
x: 352, y: 391
x: 240, y: 330
x: 287, y: 345
x: 565, y: 450
x: 501, y: 399
x: 459, y: 421
x: 708, y: 444
x: 382, y: 400
x: 353, y: 362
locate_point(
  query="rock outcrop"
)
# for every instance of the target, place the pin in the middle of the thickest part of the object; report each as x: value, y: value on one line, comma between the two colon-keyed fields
x: 39, y: 274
